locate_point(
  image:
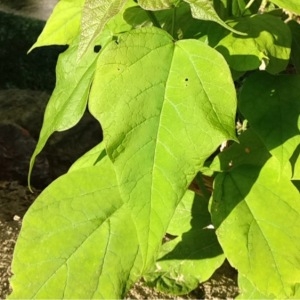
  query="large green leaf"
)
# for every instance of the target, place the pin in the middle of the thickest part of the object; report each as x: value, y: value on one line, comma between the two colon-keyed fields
x: 63, y: 25
x: 164, y: 107
x: 190, y: 258
x: 95, y: 15
x: 256, y: 212
x: 272, y: 106
x: 267, y: 44
x: 248, y: 290
x: 204, y: 10
x: 290, y: 5
x: 68, y: 100
x: 78, y: 240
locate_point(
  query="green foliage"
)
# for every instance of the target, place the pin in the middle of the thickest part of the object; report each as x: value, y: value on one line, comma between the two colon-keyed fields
x: 162, y: 87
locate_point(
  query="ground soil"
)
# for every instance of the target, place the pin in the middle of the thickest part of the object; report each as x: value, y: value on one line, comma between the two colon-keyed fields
x: 14, y: 202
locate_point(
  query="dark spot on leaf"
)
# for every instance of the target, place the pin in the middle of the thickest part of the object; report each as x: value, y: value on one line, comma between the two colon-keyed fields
x: 186, y: 79
x: 97, y: 48
x: 117, y: 42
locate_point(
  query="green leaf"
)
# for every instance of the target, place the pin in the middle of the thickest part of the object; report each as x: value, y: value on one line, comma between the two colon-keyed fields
x: 95, y: 15
x: 157, y: 4
x: 163, y: 113
x: 63, y: 25
x: 295, y: 57
x: 69, y: 98
x: 250, y: 150
x: 248, y: 290
x: 181, y: 220
x: 267, y: 44
x: 290, y: 5
x: 204, y: 10
x: 89, y: 159
x: 271, y: 105
x: 256, y: 212
x: 190, y: 258
x: 78, y: 240
x: 184, y: 27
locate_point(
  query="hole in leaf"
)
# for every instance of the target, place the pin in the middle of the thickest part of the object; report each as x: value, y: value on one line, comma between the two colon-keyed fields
x: 97, y: 48
x: 186, y: 79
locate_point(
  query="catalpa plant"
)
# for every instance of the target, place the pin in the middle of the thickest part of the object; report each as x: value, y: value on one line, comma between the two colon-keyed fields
x: 199, y: 105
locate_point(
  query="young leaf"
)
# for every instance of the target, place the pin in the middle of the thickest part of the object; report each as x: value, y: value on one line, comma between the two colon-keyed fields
x: 190, y: 258
x: 164, y: 108
x: 68, y: 100
x: 268, y: 42
x: 290, y: 5
x: 95, y: 15
x: 204, y: 10
x: 256, y: 212
x: 78, y: 240
x: 63, y: 25
x: 271, y: 104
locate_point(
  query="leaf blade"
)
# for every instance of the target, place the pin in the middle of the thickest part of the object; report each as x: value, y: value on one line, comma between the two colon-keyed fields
x: 241, y: 204
x: 139, y: 116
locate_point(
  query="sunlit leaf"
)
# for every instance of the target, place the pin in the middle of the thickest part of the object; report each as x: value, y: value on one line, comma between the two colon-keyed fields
x: 204, y: 10
x: 162, y: 116
x: 267, y: 44
x: 256, y: 212
x: 69, y: 98
x: 249, y: 291
x: 63, y: 25
x: 95, y: 15
x: 290, y: 5
x: 69, y: 245
x: 157, y: 4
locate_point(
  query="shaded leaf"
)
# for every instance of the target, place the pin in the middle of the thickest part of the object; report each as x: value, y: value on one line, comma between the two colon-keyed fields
x: 185, y: 26
x: 250, y: 150
x: 268, y: 42
x: 295, y: 30
x: 63, y: 25
x: 271, y: 104
x: 95, y: 15
x: 162, y: 116
x: 204, y: 10
x: 190, y: 258
x: 71, y: 237
x: 256, y: 212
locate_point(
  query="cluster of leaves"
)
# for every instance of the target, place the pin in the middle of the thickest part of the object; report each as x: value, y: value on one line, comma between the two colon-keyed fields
x: 170, y: 81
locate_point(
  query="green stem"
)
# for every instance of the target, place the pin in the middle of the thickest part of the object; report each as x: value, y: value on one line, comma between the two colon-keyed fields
x: 153, y: 19
x: 173, y: 22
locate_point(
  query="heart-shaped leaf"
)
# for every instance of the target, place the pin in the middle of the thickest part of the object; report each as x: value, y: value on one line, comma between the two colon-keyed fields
x: 164, y: 107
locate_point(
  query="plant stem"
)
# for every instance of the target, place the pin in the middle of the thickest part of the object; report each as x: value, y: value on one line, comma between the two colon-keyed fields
x: 173, y: 22
x: 153, y: 19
